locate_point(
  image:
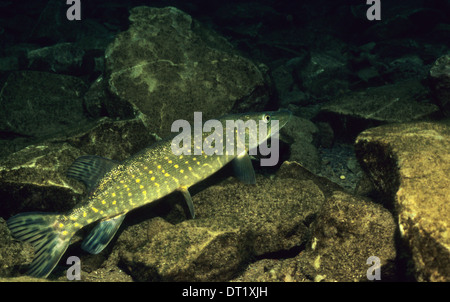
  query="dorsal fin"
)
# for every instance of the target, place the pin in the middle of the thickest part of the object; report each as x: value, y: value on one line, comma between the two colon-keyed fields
x: 90, y: 169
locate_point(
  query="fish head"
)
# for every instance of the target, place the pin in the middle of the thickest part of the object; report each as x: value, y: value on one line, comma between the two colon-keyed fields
x: 253, y: 128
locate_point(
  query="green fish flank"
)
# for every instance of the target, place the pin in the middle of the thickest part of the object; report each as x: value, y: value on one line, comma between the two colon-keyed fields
x: 117, y: 188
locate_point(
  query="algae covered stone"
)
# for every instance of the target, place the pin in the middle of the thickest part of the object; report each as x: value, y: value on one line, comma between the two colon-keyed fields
x: 167, y: 65
x: 343, y: 234
x: 40, y: 104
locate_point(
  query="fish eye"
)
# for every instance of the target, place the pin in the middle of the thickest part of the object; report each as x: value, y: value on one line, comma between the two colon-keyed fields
x: 266, y: 118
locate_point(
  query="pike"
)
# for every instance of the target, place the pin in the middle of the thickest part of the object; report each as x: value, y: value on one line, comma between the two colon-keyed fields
x: 119, y: 187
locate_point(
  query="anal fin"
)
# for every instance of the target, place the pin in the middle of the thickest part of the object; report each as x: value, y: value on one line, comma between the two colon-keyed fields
x: 102, y: 234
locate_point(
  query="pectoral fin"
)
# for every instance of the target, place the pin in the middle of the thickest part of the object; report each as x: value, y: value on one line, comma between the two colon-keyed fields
x: 188, y: 198
x: 243, y: 169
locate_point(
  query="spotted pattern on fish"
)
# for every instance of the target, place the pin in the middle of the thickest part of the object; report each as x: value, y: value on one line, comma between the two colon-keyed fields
x: 117, y: 188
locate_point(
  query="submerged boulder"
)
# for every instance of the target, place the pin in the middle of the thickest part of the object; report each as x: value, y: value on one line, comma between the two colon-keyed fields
x: 440, y: 83
x: 187, y: 252
x: 40, y: 104
x: 33, y: 179
x: 302, y: 135
x: 348, y: 231
x: 354, y: 112
x: 167, y: 65
x: 410, y: 164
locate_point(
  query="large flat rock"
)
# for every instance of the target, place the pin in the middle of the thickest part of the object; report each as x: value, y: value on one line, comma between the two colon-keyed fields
x: 353, y: 112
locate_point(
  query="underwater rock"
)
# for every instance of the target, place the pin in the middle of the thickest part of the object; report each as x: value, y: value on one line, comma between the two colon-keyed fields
x: 34, y: 179
x: 234, y: 222
x: 302, y: 136
x: 369, y: 76
x: 272, y: 270
x: 297, y: 171
x: 403, y: 68
x: 400, y: 21
x: 40, y: 104
x: 65, y: 58
x: 285, y: 78
x: 347, y: 231
x: 440, y: 83
x: 52, y: 26
x: 12, y: 252
x: 324, y: 76
x: 167, y: 65
x: 109, y: 138
x: 96, y: 98
x: 83, y: 57
x: 94, y: 35
x: 188, y: 252
x: 274, y: 212
x: 286, y: 89
x: 23, y: 279
x: 9, y: 63
x: 339, y: 164
x: 353, y: 112
x: 410, y: 164
x: 325, y: 135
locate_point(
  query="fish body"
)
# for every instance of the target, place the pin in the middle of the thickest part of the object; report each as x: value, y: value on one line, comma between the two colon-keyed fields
x: 117, y: 188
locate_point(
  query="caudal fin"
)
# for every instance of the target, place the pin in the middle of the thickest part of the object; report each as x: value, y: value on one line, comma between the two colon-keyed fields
x: 48, y: 239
